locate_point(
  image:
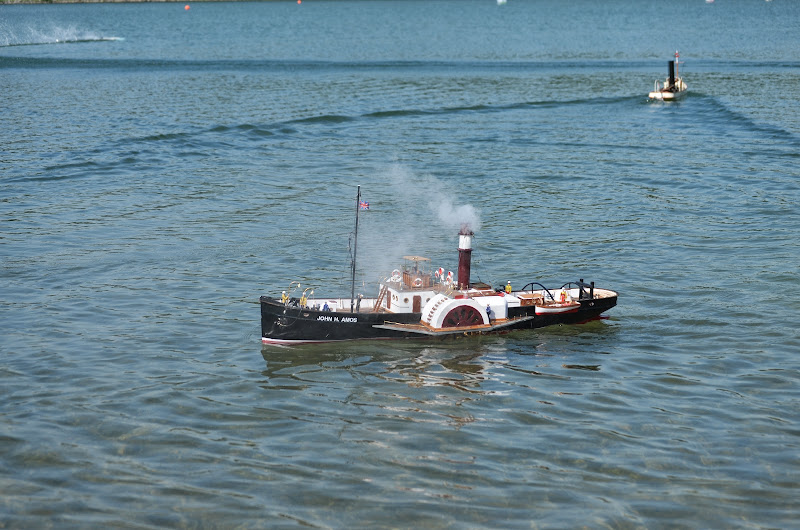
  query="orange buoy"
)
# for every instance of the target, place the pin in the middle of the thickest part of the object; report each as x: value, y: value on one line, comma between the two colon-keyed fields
x: 186, y: 7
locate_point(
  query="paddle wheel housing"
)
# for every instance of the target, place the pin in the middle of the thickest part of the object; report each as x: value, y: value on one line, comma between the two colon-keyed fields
x: 444, y: 312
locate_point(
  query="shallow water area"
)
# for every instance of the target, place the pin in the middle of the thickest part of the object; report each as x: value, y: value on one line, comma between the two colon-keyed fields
x: 161, y: 168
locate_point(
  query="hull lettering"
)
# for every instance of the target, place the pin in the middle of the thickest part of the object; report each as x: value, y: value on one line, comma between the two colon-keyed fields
x: 328, y: 318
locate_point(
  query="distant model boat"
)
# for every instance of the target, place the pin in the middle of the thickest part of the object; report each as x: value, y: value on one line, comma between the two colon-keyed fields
x: 673, y: 87
x: 415, y: 301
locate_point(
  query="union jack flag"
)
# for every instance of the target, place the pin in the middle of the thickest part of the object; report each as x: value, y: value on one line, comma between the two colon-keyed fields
x: 364, y: 205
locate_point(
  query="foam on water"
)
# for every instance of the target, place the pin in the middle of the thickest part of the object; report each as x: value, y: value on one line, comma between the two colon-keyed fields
x: 40, y: 35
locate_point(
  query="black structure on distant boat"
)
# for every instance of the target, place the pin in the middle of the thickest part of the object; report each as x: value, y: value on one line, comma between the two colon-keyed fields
x: 415, y: 302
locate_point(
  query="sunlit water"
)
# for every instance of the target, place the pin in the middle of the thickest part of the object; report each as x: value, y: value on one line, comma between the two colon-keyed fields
x: 161, y: 168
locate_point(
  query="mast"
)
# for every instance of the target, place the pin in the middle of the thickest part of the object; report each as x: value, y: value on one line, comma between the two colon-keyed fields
x: 355, y: 248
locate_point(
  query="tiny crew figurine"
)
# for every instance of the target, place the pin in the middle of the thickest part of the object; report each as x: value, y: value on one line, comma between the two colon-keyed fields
x: 508, y: 287
x: 284, y: 297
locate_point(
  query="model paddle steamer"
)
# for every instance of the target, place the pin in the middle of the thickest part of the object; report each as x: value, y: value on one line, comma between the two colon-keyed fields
x: 415, y: 301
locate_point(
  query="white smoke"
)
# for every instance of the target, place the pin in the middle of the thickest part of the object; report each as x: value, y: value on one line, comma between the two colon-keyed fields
x: 411, y: 214
x: 411, y: 190
x: 455, y: 216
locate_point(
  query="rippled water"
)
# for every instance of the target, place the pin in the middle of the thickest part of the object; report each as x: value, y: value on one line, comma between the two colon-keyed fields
x: 161, y: 168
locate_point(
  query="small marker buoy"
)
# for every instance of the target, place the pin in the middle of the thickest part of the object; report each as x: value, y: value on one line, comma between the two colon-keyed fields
x: 299, y: 2
x: 186, y: 7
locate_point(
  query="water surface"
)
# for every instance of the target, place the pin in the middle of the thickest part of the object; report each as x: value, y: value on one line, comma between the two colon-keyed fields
x: 162, y: 168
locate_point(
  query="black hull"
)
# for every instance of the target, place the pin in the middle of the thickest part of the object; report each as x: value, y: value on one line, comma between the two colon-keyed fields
x: 291, y: 324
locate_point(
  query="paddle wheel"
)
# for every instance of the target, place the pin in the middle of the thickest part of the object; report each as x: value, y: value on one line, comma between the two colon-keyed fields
x: 462, y: 316
x: 444, y: 312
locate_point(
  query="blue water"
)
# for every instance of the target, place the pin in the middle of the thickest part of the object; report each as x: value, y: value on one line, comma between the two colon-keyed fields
x: 160, y: 168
